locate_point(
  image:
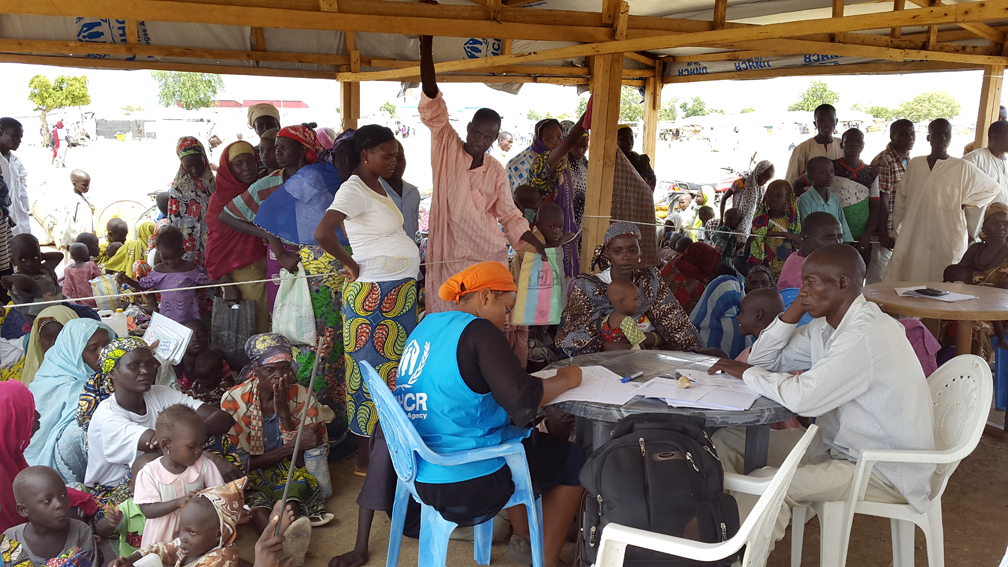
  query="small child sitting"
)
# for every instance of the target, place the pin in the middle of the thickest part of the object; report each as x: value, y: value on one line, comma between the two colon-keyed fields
x: 528, y: 200
x: 706, y: 214
x: 172, y: 272
x: 211, y: 377
x: 758, y: 309
x: 126, y: 520
x: 50, y: 532
x: 91, y: 241
x: 165, y: 485
x: 682, y: 244
x: 624, y: 296
x: 725, y: 237
x: 78, y: 275
x: 34, y: 277
x: 207, y: 529
x: 116, y: 232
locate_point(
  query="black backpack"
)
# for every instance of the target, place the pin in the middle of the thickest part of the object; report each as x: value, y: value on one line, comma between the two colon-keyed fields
x: 660, y: 473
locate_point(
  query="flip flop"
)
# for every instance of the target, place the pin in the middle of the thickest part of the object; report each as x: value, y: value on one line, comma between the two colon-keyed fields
x: 296, y: 540
x: 321, y: 519
x: 520, y: 549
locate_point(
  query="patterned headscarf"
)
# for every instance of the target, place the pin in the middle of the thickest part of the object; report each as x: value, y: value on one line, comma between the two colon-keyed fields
x: 228, y: 500
x: 188, y: 199
x: 304, y: 136
x: 618, y: 228
x: 190, y: 146
x: 99, y: 387
x: 268, y: 348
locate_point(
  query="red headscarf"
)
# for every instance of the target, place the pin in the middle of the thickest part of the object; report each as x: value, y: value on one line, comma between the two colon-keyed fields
x: 304, y: 136
x: 226, y: 249
x: 17, y: 413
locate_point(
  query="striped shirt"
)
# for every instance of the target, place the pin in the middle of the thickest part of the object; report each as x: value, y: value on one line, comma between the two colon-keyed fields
x: 890, y: 167
x: 246, y: 205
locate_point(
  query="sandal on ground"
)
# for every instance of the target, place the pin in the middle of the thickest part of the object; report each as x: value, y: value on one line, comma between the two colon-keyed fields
x: 520, y: 549
x: 296, y: 540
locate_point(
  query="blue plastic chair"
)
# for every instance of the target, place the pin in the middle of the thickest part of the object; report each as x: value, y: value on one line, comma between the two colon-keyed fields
x: 1000, y: 377
x: 790, y: 295
x: 406, y: 448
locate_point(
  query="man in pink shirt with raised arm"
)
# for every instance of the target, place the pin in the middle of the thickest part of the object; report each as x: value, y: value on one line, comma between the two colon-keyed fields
x: 472, y: 197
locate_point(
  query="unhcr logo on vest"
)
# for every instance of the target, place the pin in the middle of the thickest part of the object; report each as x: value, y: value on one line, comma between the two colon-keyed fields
x: 410, y: 368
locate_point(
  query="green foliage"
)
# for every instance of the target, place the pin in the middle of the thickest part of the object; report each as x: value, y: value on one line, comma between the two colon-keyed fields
x: 929, y: 106
x: 63, y: 92
x: 189, y: 90
x: 669, y: 110
x: 128, y: 110
x: 631, y: 105
x: 747, y: 110
x: 817, y: 93
x: 876, y: 111
x: 533, y: 116
x: 390, y: 108
x: 696, y: 107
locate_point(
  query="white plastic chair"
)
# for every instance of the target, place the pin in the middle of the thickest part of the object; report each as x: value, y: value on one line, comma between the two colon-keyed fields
x: 961, y: 391
x: 756, y: 532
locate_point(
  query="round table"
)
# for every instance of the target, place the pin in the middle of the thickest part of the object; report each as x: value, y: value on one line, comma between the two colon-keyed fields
x: 603, y: 417
x: 991, y: 304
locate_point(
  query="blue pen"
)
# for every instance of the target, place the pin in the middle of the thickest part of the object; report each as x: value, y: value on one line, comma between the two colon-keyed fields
x: 633, y: 376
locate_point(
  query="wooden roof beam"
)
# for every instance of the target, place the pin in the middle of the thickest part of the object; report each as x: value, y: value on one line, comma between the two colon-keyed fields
x: 979, y: 29
x: 620, y: 24
x: 973, y: 12
x: 650, y: 61
x: 858, y: 69
x: 898, y: 5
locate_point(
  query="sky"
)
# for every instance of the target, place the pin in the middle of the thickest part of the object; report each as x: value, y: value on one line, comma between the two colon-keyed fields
x: 111, y: 90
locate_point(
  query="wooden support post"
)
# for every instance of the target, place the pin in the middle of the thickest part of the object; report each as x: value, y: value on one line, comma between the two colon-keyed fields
x: 622, y: 17
x: 720, y: 13
x: 838, y: 10
x: 990, y: 102
x: 132, y: 35
x: 607, y: 71
x: 506, y: 47
x: 493, y: 8
x: 350, y: 92
x: 652, y: 104
x: 258, y: 39
x: 932, y: 31
x: 897, y: 6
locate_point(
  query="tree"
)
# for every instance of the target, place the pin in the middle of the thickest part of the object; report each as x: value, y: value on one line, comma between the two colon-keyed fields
x: 191, y: 91
x: 695, y: 107
x: 534, y: 116
x: 390, y: 108
x: 929, y: 106
x: 129, y: 109
x: 876, y: 111
x: 747, y: 110
x: 631, y: 105
x: 63, y: 92
x: 817, y: 93
x: 669, y: 110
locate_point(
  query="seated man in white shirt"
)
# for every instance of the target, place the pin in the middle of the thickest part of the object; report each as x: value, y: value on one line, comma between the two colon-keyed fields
x: 862, y: 382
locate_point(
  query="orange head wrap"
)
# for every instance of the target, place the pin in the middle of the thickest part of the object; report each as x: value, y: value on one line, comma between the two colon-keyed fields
x: 485, y: 275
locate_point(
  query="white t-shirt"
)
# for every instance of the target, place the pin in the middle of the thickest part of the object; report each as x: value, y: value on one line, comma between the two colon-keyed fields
x: 374, y: 228
x: 114, y: 433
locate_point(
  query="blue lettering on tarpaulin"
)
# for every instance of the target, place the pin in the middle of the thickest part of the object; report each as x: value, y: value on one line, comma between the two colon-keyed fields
x: 822, y: 59
x: 477, y: 47
x: 752, y: 64
x: 105, y: 30
x: 693, y: 68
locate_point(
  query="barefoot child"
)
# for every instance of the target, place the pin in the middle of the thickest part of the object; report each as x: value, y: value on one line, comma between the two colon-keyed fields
x: 77, y: 276
x: 172, y: 272
x: 50, y: 532
x: 34, y: 278
x: 165, y: 485
x: 620, y: 326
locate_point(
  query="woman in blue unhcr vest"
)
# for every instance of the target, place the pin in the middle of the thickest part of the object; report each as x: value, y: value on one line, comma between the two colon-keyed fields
x: 463, y: 388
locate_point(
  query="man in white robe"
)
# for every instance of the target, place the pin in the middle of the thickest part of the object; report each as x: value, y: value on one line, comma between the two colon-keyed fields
x: 824, y: 143
x: 992, y: 160
x: 929, y: 216
x: 14, y: 173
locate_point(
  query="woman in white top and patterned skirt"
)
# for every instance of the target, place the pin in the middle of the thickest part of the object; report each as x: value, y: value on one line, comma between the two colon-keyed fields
x: 380, y: 297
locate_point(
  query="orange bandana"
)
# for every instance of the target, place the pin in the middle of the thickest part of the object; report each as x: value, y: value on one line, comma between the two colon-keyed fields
x: 485, y: 275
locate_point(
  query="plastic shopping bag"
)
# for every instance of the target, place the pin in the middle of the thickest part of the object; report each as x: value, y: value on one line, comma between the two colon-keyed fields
x: 541, y: 293
x: 293, y: 316
x: 231, y: 326
x: 105, y: 289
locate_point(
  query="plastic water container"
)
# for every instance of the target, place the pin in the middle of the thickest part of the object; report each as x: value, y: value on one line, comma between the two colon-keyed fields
x: 116, y: 320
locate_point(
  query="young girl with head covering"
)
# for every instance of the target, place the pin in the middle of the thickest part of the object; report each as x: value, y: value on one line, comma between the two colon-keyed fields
x: 233, y: 255
x: 59, y: 442
x: 775, y: 230
x: 382, y: 271
x: 45, y: 329
x: 189, y: 196
x: 475, y: 388
x: 659, y: 315
x: 17, y: 413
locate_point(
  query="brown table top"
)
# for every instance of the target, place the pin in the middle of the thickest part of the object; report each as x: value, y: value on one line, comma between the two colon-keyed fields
x: 991, y: 303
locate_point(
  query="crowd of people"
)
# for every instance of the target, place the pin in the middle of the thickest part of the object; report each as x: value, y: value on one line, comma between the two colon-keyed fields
x: 113, y: 453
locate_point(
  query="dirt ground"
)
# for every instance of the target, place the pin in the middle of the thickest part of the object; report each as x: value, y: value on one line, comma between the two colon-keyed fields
x: 974, y: 509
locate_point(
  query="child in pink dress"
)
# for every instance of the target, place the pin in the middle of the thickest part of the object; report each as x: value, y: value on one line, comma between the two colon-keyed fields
x: 77, y: 276
x: 165, y: 485
x: 172, y: 272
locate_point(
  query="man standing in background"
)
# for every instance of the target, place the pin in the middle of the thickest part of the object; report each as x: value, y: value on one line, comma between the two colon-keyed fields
x: 891, y: 164
x: 14, y: 174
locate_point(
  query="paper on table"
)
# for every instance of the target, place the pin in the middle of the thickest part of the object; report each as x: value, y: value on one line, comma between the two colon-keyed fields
x: 598, y: 384
x: 950, y: 297
x: 700, y: 396
x: 719, y: 379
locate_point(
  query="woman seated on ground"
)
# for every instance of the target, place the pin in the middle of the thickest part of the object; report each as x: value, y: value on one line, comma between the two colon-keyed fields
x: 119, y: 409
x: 986, y: 263
x: 583, y: 325
x: 264, y: 430
x: 203, y: 373
x: 45, y: 329
x: 59, y: 443
x: 479, y: 375
x: 687, y: 275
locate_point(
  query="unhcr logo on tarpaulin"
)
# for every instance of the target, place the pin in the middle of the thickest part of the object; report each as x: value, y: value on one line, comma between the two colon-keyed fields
x: 477, y: 47
x: 105, y: 30
x: 693, y: 68
x: 752, y: 64
x: 816, y: 59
